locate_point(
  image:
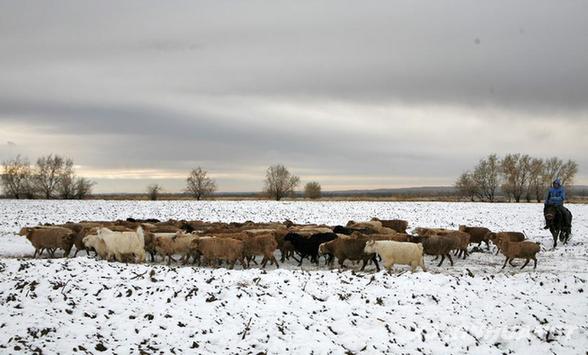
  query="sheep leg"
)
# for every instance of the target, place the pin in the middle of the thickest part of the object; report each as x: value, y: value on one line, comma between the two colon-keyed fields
x: 487, y: 245
x: 243, y: 263
x: 465, y: 253
x: 510, y: 262
x: 264, y: 262
x: 314, y: 259
x: 442, y: 258
x: 413, y: 266
x: 450, y: 260
x: 389, y: 265
x: 36, y: 251
x: 365, y: 261
x: 300, y: 262
x: 375, y: 260
x: 275, y: 261
x: 505, y: 261
x: 525, y: 264
x: 535, y: 262
x: 423, y: 263
x: 435, y: 258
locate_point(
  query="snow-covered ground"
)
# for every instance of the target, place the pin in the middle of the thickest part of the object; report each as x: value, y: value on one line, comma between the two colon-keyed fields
x: 83, y: 305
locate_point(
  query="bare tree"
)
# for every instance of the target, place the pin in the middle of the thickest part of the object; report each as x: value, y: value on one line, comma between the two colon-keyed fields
x: 199, y: 184
x: 279, y: 183
x: 568, y: 172
x: 67, y: 180
x: 556, y: 168
x: 83, y: 188
x: 521, y: 175
x: 312, y: 190
x: 536, y: 184
x: 153, y: 191
x: 551, y: 170
x: 47, y: 175
x: 466, y: 186
x: 515, y: 168
x: 16, y: 177
x: 486, y: 177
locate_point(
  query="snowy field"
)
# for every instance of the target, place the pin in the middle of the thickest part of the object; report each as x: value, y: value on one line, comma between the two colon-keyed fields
x: 81, y: 305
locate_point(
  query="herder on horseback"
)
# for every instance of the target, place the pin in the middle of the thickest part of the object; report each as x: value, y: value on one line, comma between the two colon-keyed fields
x: 558, y: 219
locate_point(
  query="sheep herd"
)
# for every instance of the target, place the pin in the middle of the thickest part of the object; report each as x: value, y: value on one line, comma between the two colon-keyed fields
x: 215, y: 243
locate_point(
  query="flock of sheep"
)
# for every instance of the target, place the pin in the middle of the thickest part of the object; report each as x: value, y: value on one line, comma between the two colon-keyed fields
x: 212, y: 243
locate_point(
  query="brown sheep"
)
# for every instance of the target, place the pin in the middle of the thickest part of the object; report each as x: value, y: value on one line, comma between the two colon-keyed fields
x: 462, y: 238
x: 167, y: 246
x: 477, y: 235
x: 264, y: 245
x: 213, y: 249
x: 78, y: 231
x: 398, y: 225
x: 497, y: 238
x: 519, y: 250
x: 348, y: 248
x: 49, y: 238
x: 438, y: 245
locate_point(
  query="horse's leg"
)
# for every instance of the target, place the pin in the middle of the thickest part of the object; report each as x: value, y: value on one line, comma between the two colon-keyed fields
x: 554, y: 234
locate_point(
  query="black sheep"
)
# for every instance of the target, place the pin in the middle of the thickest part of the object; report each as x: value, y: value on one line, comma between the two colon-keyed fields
x: 308, y: 246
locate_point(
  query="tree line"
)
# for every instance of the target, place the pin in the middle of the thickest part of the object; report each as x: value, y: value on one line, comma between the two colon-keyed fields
x: 53, y: 176
x: 517, y: 176
x: 278, y: 184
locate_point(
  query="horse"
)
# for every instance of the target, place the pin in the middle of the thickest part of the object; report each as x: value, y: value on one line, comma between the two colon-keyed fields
x: 559, y: 221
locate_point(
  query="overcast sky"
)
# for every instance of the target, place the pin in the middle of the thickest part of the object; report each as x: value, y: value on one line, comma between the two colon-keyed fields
x: 354, y: 94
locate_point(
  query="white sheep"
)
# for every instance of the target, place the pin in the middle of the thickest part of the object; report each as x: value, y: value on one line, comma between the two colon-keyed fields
x: 120, y: 243
x: 393, y: 252
x: 92, y: 241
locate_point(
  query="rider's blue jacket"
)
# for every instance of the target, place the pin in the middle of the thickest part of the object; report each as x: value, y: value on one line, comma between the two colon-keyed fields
x: 556, y: 196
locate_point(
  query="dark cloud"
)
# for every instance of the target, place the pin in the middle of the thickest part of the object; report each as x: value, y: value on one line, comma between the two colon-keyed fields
x: 381, y: 89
